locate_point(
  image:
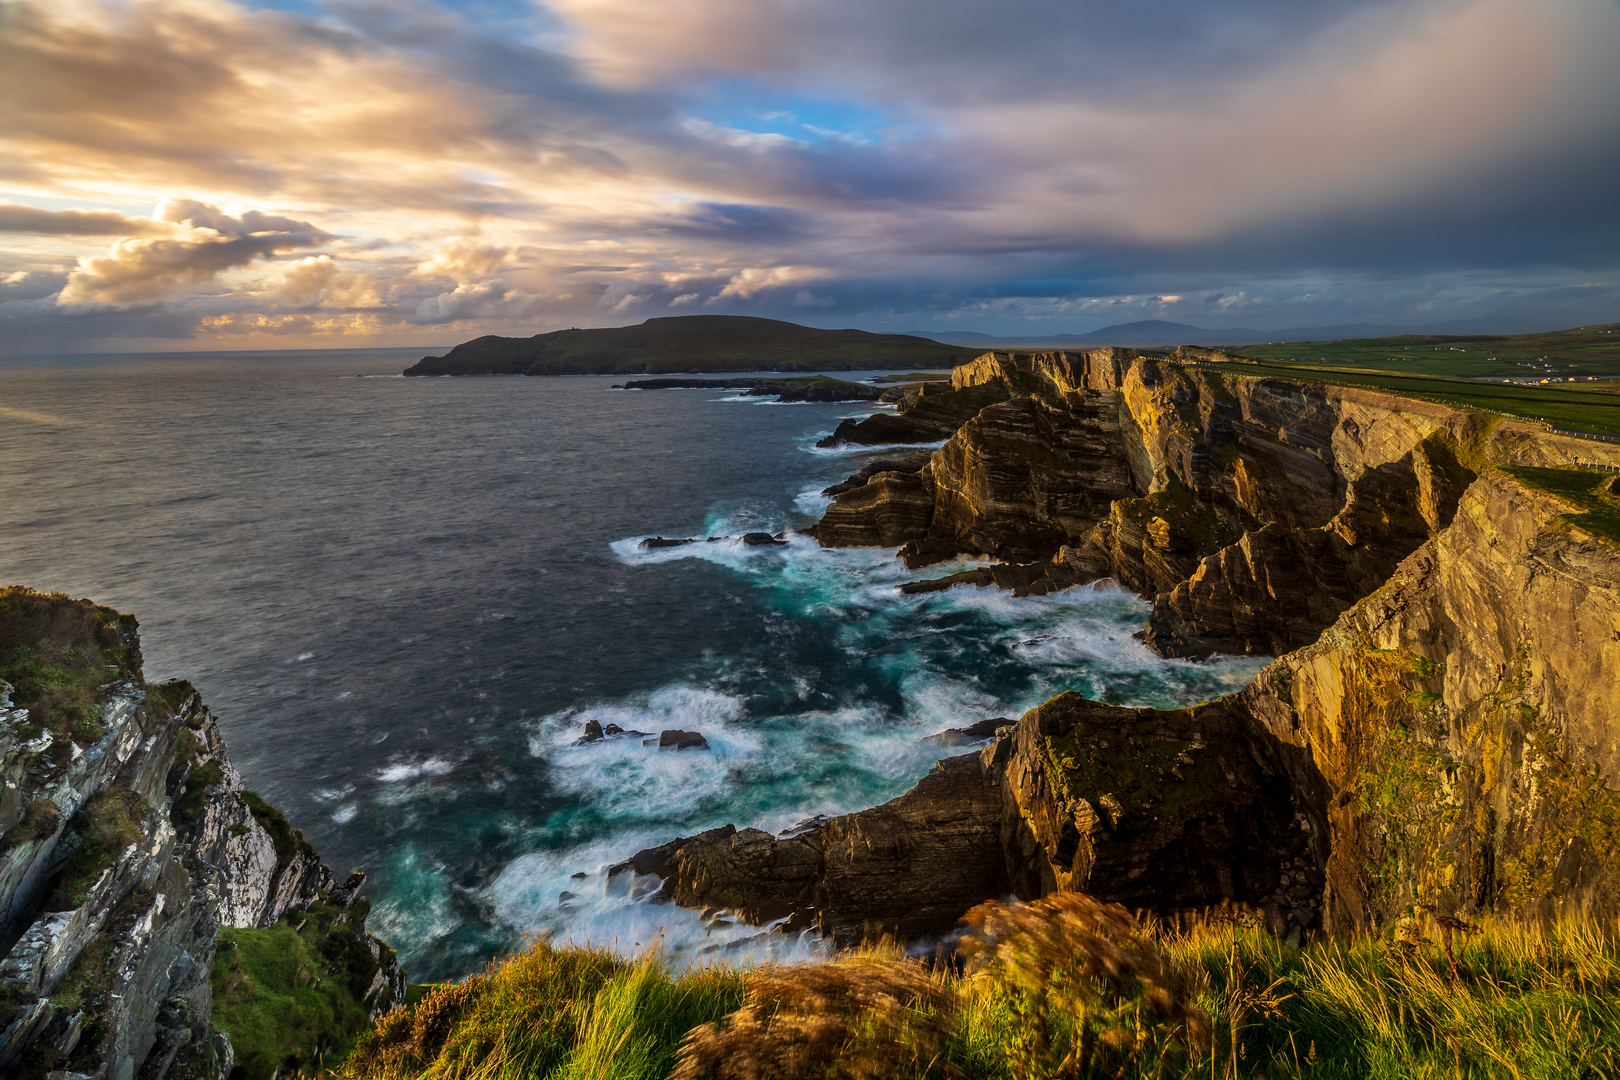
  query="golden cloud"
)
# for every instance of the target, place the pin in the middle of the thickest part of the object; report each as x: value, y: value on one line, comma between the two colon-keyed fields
x: 208, y: 242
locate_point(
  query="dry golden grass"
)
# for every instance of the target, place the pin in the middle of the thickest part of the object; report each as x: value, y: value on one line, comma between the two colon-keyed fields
x: 1061, y: 987
x: 869, y: 1016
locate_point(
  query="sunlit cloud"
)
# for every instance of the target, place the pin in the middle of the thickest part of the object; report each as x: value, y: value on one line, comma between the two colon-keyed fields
x: 208, y: 242
x: 369, y: 173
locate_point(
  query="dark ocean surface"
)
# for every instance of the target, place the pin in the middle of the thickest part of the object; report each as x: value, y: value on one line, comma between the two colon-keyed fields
x: 405, y: 597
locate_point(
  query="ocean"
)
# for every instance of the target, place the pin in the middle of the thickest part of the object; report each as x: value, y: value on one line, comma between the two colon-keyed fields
x: 405, y: 598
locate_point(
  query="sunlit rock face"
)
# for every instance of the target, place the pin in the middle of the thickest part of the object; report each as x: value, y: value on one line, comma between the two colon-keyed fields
x: 128, y: 843
x: 1439, y: 731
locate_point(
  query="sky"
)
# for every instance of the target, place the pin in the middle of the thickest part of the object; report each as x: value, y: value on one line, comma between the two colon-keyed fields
x: 203, y: 174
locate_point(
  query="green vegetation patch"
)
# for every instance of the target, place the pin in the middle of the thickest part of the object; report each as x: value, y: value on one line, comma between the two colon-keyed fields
x: 1399, y: 790
x: 1590, y: 491
x: 957, y: 407
x: 103, y: 829
x: 1140, y: 765
x: 289, y: 841
x: 191, y: 801
x: 549, y: 1012
x: 1581, y: 814
x: 57, y: 653
x: 40, y: 819
x: 291, y: 995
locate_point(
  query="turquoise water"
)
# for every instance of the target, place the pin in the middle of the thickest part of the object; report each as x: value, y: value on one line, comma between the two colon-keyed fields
x: 406, y: 597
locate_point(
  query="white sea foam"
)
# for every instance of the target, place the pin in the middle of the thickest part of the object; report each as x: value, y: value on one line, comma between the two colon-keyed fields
x: 812, y: 501
x: 538, y: 892
x: 849, y: 449
x: 410, y: 770
x: 761, y: 399
x: 416, y: 907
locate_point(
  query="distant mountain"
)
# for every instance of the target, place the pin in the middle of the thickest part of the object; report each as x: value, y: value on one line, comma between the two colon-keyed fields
x: 1150, y: 333
x: 685, y: 343
x: 956, y: 337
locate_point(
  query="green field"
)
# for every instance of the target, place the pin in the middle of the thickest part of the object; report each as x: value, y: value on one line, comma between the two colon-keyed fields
x: 1578, y: 353
x: 1589, y: 408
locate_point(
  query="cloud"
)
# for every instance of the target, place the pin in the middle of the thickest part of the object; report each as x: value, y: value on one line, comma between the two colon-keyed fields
x: 513, y: 167
x: 473, y: 300
x: 319, y: 281
x: 30, y: 219
x: 137, y: 271
x: 749, y: 282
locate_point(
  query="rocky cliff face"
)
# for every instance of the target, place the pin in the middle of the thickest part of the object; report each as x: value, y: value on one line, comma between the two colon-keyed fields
x: 1456, y: 732
x: 1251, y: 511
x: 1439, y: 734
x: 128, y: 841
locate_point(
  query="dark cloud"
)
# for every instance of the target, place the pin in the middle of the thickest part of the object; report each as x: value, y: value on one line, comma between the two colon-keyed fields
x: 30, y: 219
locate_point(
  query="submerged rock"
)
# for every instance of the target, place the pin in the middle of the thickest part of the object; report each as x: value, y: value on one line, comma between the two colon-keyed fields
x: 975, y: 732
x: 655, y: 542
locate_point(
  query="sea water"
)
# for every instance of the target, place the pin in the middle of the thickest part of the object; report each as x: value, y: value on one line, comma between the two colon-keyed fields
x: 405, y: 598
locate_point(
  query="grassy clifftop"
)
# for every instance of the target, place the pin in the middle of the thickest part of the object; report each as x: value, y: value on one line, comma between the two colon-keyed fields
x: 691, y: 343
x: 1062, y: 987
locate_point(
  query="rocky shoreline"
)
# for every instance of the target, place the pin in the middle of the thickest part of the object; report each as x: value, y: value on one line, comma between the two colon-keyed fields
x: 128, y: 843
x: 1437, y: 734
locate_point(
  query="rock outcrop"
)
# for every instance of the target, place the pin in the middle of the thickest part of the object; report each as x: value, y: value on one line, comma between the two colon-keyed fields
x: 1440, y: 733
x: 128, y: 842
x: 1168, y: 811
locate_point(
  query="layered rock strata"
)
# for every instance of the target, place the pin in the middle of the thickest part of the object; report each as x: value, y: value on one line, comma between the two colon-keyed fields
x: 128, y: 842
x: 1251, y: 511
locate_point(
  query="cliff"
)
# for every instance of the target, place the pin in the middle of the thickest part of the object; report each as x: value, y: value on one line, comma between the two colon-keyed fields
x: 691, y: 343
x: 128, y: 843
x: 1439, y: 733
